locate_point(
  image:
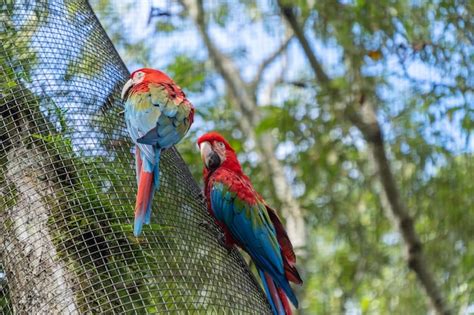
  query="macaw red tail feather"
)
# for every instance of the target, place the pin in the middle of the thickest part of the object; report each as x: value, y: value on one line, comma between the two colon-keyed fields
x: 284, y: 301
x: 144, y: 198
x: 276, y: 296
x: 148, y: 179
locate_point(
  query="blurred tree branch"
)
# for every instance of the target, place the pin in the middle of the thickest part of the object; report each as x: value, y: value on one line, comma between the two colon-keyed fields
x: 245, y: 101
x: 269, y: 60
x: 365, y: 119
x: 318, y: 69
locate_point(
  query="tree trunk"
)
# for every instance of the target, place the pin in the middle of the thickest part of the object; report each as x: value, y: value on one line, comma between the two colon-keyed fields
x: 41, y: 281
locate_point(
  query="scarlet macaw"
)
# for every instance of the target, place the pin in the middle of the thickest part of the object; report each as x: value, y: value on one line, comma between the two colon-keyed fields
x: 248, y: 221
x: 158, y: 115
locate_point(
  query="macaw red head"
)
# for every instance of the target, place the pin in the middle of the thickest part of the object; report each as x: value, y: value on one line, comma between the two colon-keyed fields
x: 145, y: 75
x: 216, y: 151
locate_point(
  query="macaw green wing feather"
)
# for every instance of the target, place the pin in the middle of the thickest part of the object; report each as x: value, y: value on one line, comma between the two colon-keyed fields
x: 158, y: 94
x: 167, y: 98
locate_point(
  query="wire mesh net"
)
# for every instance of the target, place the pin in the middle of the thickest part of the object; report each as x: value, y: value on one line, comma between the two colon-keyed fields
x: 67, y: 186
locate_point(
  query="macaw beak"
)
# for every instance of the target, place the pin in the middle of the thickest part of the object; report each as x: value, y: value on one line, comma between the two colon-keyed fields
x: 210, y: 158
x: 126, y: 88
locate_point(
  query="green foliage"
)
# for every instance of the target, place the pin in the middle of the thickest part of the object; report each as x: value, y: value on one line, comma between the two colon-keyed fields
x: 188, y: 73
x: 5, y: 306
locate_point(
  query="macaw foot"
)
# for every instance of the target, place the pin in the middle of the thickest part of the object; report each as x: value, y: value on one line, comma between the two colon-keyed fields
x: 202, y: 197
x: 206, y: 225
x: 211, y: 228
x: 222, y: 240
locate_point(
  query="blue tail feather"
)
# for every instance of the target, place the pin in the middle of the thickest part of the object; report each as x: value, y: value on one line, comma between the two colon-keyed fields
x: 156, y: 168
x: 137, y: 226
x: 148, y: 209
x: 156, y: 184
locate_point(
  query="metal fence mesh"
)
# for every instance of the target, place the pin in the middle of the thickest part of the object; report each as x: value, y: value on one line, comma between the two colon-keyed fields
x: 67, y: 186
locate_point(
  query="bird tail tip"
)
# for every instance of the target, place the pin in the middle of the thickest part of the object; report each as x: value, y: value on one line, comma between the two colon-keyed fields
x: 276, y: 296
x: 143, y: 202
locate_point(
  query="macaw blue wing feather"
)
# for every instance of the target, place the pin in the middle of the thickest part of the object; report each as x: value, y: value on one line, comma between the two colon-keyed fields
x: 146, y: 150
x: 251, y: 226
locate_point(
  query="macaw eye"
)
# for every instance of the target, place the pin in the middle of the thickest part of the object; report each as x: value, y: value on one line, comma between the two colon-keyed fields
x: 138, y: 76
x: 220, y: 145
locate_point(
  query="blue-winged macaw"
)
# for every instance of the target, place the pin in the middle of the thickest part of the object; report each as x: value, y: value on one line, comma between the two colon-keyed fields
x: 248, y: 221
x: 158, y: 115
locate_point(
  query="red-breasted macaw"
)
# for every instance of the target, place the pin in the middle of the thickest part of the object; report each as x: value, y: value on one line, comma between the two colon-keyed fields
x: 248, y: 221
x: 158, y: 115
